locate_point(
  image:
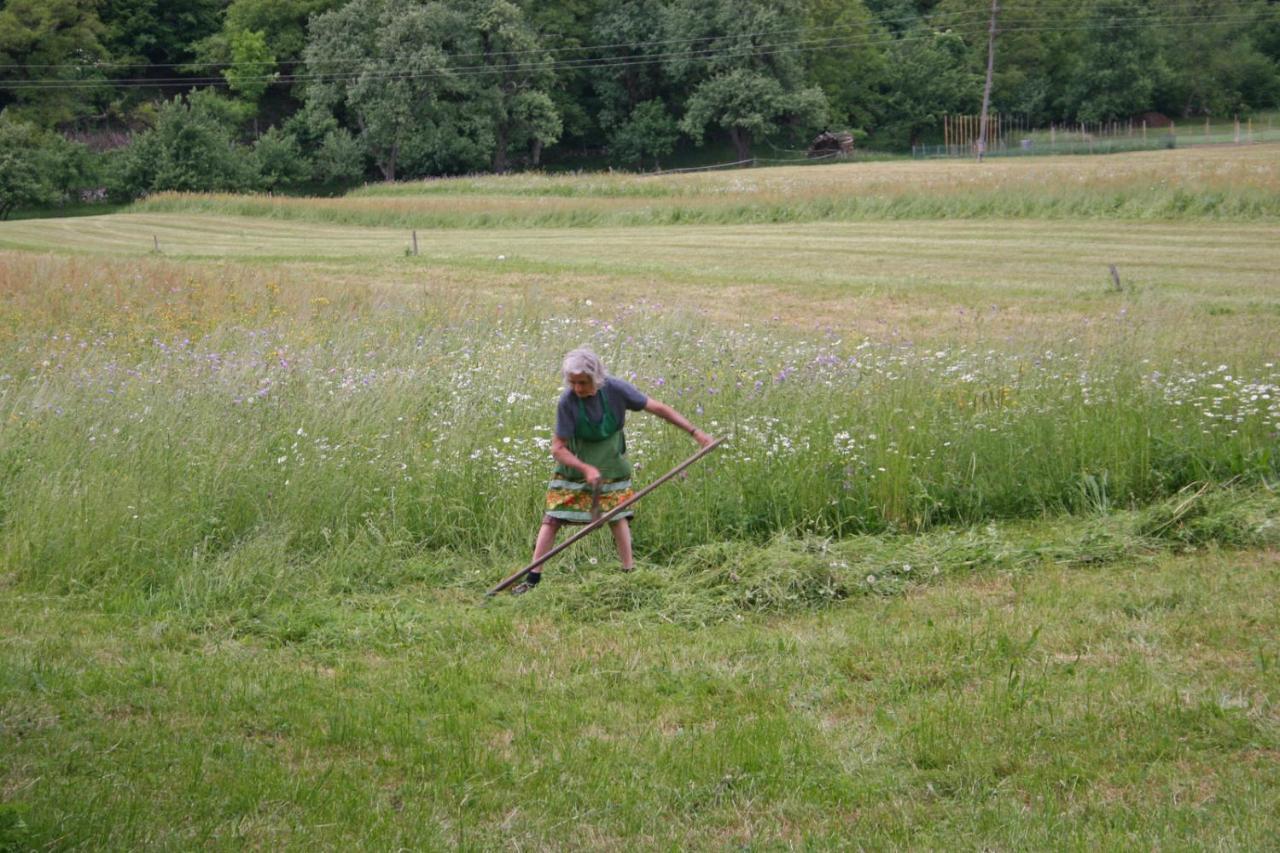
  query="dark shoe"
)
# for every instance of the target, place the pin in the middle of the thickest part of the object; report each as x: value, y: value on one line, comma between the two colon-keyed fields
x: 530, y: 581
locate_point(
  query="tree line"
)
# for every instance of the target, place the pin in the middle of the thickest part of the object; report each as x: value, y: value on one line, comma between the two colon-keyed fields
x: 144, y: 95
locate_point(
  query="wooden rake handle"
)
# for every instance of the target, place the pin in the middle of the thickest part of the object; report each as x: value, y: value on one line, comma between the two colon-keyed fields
x: 606, y: 518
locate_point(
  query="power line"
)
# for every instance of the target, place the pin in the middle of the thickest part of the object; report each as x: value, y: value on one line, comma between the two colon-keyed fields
x: 474, y: 70
x: 746, y: 50
x: 934, y: 20
x: 944, y: 17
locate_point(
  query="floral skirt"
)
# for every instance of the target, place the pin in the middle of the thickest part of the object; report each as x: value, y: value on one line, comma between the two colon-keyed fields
x: 570, y: 501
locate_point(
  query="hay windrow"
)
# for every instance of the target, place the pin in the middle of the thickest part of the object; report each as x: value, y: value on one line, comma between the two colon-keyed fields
x: 725, y: 581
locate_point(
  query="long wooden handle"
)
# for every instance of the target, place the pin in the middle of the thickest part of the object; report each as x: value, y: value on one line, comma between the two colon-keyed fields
x: 607, y: 517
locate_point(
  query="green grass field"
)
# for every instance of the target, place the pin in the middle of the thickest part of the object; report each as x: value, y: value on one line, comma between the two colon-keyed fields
x: 989, y: 560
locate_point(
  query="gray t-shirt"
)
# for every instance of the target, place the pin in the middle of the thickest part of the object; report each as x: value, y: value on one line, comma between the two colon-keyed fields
x: 621, y: 396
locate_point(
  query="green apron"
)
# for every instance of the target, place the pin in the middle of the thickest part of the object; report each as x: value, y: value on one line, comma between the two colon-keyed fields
x: 602, y: 446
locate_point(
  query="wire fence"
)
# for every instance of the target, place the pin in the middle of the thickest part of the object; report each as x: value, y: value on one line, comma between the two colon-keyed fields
x: 749, y: 163
x: 1011, y: 138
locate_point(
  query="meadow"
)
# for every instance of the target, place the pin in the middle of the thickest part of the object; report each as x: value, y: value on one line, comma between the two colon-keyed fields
x: 1212, y: 183
x: 988, y: 561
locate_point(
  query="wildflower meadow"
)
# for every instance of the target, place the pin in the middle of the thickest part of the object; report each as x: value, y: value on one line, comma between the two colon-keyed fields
x: 988, y: 559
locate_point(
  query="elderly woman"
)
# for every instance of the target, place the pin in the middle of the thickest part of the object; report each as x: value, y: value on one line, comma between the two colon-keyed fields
x: 590, y: 450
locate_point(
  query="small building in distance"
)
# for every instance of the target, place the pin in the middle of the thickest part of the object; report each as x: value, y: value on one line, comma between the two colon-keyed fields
x: 828, y: 143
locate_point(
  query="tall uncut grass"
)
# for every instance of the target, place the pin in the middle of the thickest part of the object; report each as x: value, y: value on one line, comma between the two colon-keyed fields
x: 1234, y: 185
x: 1158, y: 203
x: 199, y: 435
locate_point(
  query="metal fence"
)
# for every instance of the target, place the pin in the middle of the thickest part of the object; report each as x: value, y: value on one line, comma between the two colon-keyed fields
x: 1102, y: 138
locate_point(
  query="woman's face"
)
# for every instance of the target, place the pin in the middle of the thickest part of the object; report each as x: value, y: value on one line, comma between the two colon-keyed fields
x: 581, y: 384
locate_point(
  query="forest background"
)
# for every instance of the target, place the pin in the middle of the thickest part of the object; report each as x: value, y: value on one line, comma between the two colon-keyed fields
x: 116, y: 99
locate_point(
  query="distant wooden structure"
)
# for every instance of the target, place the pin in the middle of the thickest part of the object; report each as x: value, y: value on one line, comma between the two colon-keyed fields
x: 1153, y: 120
x: 827, y: 144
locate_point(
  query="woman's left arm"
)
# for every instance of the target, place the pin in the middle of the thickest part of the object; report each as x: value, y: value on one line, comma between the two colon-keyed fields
x: 670, y: 415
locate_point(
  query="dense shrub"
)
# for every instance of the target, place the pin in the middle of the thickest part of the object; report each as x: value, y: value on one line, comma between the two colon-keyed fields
x: 38, y: 167
x: 190, y: 148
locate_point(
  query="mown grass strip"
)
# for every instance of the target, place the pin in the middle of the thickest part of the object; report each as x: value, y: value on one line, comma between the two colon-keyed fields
x: 1108, y: 705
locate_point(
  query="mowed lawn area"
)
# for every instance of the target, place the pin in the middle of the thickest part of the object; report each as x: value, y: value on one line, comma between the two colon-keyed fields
x: 919, y: 278
x: 1129, y: 705
x: 990, y: 559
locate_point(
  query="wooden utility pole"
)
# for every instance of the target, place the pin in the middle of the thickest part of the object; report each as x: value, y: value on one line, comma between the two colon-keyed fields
x: 986, y: 90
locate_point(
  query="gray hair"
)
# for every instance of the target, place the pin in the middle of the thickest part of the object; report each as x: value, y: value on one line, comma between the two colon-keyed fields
x: 583, y: 360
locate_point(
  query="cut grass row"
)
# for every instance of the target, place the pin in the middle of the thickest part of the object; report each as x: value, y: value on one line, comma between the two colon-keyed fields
x: 1018, y: 274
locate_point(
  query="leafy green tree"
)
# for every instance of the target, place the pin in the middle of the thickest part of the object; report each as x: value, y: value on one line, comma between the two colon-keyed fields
x: 38, y: 167
x: 397, y: 87
x: 568, y: 26
x: 738, y: 80
x: 650, y: 131
x: 252, y: 65
x: 393, y: 73
x: 310, y: 125
x: 901, y: 16
x: 625, y: 80
x: 51, y: 50
x: 283, y: 23
x: 283, y: 27
x: 190, y: 149
x: 1036, y: 49
x: 22, y: 177
x: 1119, y: 67
x: 339, y: 160
x: 931, y: 76
x: 1215, y: 64
x: 850, y: 64
x: 515, y: 91
x: 1266, y: 35
x: 529, y: 119
x: 459, y: 140
x: 158, y: 31
x: 225, y: 111
x: 279, y: 160
x: 750, y: 106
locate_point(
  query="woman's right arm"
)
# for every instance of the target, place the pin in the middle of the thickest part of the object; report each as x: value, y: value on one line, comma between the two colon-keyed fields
x: 561, y: 453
